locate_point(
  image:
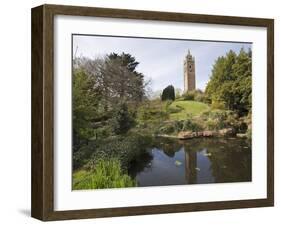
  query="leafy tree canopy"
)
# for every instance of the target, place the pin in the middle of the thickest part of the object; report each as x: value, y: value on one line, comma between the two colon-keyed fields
x: 99, y: 87
x: 231, y: 82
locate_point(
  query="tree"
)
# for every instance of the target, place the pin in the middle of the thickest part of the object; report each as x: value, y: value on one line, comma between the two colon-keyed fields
x: 116, y: 77
x: 122, y: 120
x: 168, y: 93
x: 242, y: 87
x: 230, y: 84
x: 86, y: 97
x: 122, y: 83
x: 129, y: 62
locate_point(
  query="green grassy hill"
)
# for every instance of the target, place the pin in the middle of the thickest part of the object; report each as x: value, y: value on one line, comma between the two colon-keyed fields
x: 179, y: 109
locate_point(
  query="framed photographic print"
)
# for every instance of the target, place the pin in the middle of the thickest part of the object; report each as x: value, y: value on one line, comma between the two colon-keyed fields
x: 141, y: 112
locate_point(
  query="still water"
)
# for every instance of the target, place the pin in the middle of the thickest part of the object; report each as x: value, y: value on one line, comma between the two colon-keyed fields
x: 194, y: 161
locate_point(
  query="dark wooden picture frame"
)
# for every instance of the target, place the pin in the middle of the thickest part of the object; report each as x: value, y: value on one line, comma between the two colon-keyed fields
x: 42, y: 203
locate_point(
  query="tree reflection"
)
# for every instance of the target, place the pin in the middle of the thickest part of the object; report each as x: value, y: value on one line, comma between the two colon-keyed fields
x: 169, y: 146
x: 190, y: 167
x: 230, y: 161
x: 207, y: 160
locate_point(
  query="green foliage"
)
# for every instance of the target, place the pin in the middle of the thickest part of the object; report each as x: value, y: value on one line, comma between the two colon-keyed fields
x: 127, y: 60
x: 130, y: 85
x: 174, y: 127
x: 219, y: 119
x: 85, y: 104
x: 122, y: 120
x: 196, y: 95
x: 113, y: 123
x: 188, y: 95
x: 191, y: 125
x: 230, y: 85
x: 106, y: 174
x: 103, y: 131
x: 99, y: 87
x: 167, y: 128
x: 168, y: 93
x: 211, y: 124
x: 124, y: 148
x: 217, y: 105
x: 153, y: 111
x: 82, y: 156
x: 207, y: 120
x: 200, y: 97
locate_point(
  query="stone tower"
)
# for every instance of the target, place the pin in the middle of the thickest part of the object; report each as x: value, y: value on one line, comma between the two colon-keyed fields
x: 189, y: 73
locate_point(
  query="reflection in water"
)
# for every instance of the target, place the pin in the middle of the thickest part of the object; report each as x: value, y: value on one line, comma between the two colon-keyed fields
x: 190, y: 166
x: 197, y: 161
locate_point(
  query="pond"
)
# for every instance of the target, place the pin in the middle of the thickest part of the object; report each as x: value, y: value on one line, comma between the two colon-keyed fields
x: 194, y: 161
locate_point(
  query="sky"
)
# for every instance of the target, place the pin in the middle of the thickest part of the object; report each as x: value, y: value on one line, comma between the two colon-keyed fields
x: 160, y: 60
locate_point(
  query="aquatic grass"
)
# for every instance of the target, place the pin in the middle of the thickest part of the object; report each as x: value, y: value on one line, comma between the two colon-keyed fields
x: 106, y: 174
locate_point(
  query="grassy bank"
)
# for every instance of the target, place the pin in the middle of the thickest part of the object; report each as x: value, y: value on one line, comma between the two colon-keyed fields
x: 180, y: 109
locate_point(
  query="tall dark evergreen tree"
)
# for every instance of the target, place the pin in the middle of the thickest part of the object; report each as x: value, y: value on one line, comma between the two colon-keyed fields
x: 168, y: 93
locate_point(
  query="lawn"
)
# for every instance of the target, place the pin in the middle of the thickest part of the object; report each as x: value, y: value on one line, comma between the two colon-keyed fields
x: 182, y: 108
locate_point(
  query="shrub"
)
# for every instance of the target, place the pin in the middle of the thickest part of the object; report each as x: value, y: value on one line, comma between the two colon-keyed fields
x: 166, y: 129
x: 168, y: 93
x: 196, y: 95
x: 200, y: 97
x: 178, y: 126
x: 82, y: 156
x: 153, y: 111
x: 188, y: 96
x: 106, y: 174
x: 191, y: 125
x: 125, y: 149
x: 102, y: 132
x: 158, y: 115
x: 219, y: 119
x: 122, y: 120
x: 218, y: 105
x: 211, y: 124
